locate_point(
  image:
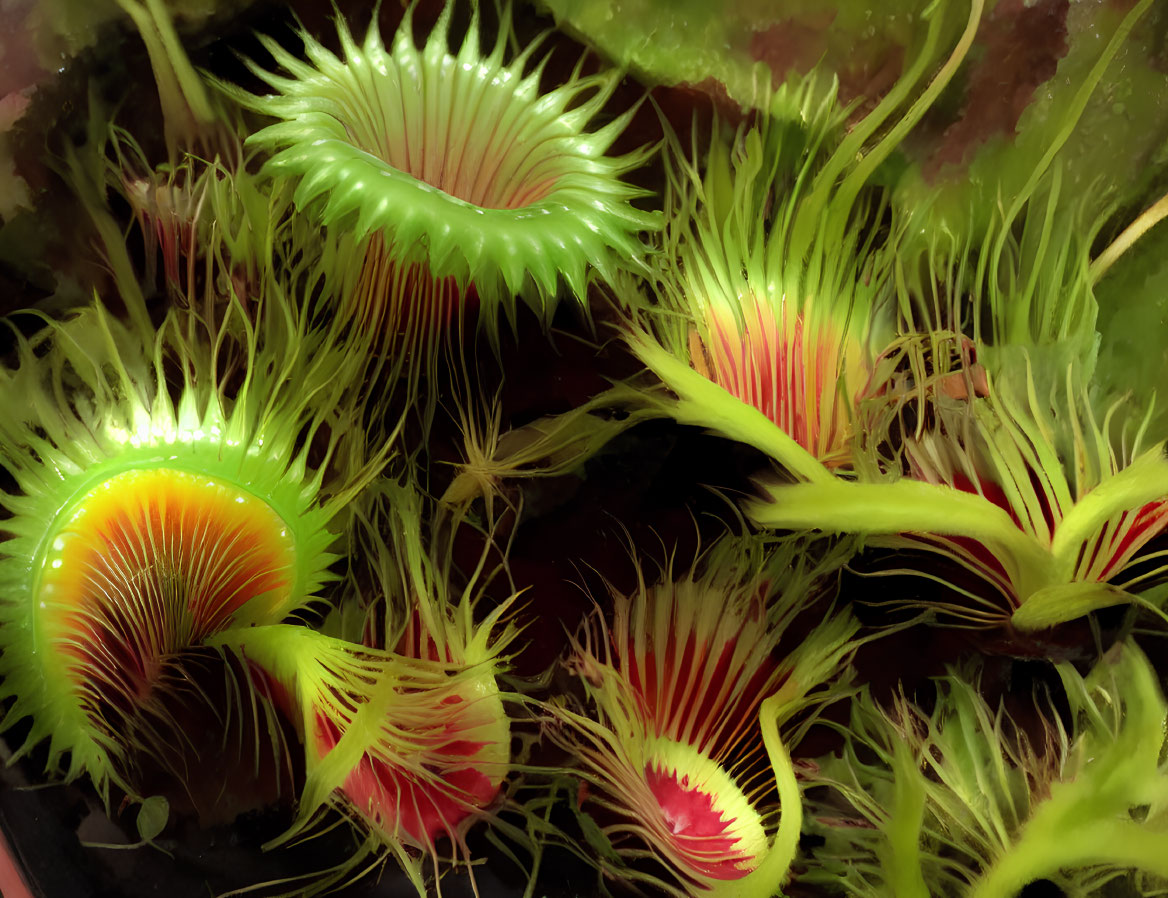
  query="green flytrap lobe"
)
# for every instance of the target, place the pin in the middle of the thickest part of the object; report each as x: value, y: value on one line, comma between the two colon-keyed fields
x: 144, y: 522
x: 679, y: 754
x: 414, y: 750
x: 1025, y: 489
x: 775, y: 294
x: 448, y: 167
x: 732, y: 335
x: 1023, y: 281
x: 988, y: 449
x: 963, y: 801
x: 404, y: 725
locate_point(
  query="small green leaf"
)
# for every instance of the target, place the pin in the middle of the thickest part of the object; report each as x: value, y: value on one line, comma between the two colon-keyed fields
x: 1064, y: 602
x: 594, y: 835
x: 152, y: 817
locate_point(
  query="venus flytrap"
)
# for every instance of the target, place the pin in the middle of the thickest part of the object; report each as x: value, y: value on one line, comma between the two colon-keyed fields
x: 142, y: 525
x: 412, y: 749
x: 960, y: 803
x: 234, y: 263
x: 1114, y: 775
x: 994, y: 457
x: 455, y: 178
x: 686, y: 693
x: 1015, y: 485
x: 750, y: 346
x: 929, y: 799
x: 772, y: 283
x: 404, y: 725
x: 1027, y: 492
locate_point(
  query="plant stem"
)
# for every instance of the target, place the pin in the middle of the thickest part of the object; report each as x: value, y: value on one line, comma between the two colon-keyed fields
x: 1133, y: 232
x: 767, y: 879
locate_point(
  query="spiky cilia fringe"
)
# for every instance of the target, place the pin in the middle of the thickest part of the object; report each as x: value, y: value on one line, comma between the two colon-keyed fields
x: 404, y: 725
x: 1023, y: 488
x: 787, y: 341
x: 961, y: 802
x: 238, y: 269
x: 413, y: 751
x: 671, y: 745
x: 1025, y: 283
x: 771, y: 301
x: 455, y: 162
x: 1036, y: 498
x: 238, y: 266
x: 1017, y: 270
x: 993, y: 455
x: 144, y: 521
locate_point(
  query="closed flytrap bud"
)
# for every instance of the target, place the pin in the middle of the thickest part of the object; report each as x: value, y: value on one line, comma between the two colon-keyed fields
x: 963, y: 801
x: 170, y: 199
x: 445, y: 176
x: 405, y: 730
x: 214, y: 226
x: 686, y: 785
x: 773, y: 284
x: 215, y: 249
x: 143, y: 521
x: 1054, y: 511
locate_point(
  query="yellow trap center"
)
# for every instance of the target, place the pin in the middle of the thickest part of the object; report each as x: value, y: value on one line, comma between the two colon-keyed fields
x: 152, y: 561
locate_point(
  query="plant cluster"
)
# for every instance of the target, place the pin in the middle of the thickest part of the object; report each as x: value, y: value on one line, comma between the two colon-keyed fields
x: 263, y: 487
